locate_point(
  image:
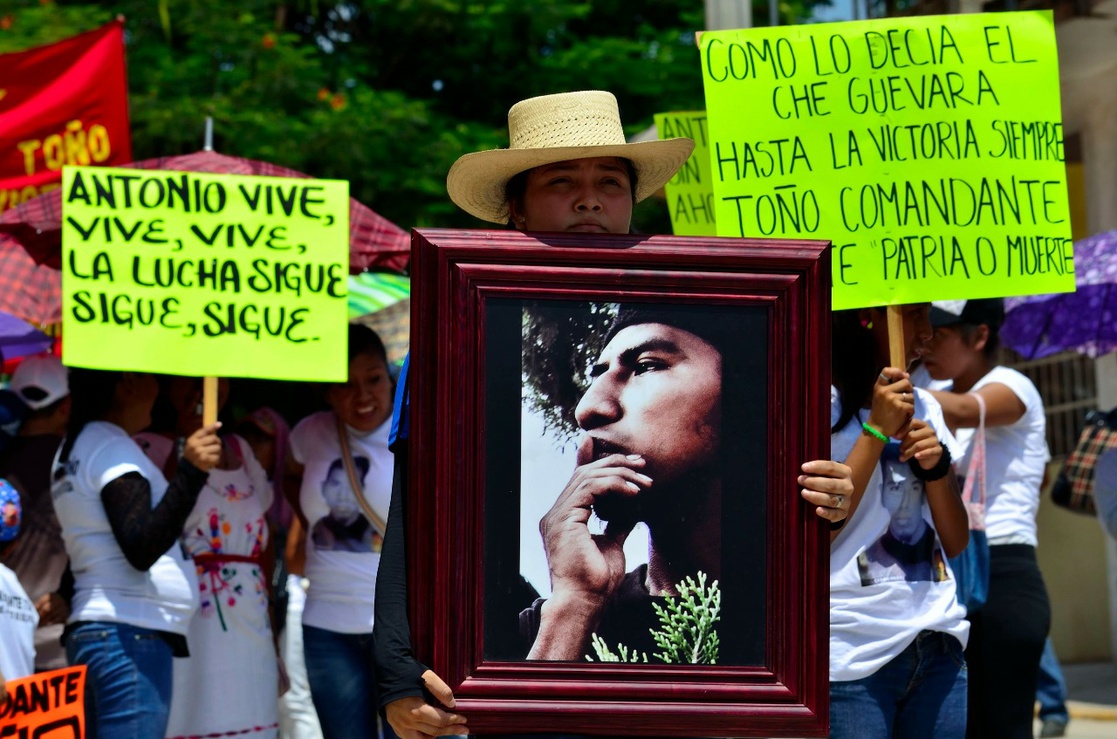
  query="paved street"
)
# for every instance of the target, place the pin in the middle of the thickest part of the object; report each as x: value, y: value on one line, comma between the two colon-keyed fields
x: 1092, y: 690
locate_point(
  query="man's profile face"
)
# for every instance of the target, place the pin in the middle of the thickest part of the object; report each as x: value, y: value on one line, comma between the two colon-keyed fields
x: 656, y: 392
x: 902, y: 499
x: 592, y: 195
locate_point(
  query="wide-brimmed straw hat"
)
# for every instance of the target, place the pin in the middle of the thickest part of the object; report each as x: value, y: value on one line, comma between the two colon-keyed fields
x: 555, y: 128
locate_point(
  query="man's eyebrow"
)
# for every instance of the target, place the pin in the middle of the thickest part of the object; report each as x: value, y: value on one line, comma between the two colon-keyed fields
x: 614, y: 167
x: 628, y: 356
x: 564, y: 166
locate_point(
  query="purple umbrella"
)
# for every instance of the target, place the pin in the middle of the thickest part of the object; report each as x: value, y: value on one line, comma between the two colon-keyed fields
x: 1084, y: 321
x: 18, y: 338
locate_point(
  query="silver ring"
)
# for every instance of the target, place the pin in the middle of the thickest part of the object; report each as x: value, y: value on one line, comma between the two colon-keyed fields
x: 884, y: 377
x: 839, y: 500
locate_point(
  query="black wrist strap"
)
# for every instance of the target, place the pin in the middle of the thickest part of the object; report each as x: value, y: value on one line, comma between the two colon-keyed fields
x: 938, y: 472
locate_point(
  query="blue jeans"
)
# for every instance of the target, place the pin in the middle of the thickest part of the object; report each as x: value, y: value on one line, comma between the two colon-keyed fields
x: 1051, y: 688
x: 920, y: 693
x: 128, y: 683
x: 342, y: 683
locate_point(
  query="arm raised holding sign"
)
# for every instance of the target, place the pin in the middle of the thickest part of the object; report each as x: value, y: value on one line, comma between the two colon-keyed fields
x: 121, y: 520
x: 906, y: 520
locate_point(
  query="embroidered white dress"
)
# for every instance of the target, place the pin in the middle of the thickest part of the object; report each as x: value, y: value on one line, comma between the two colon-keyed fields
x: 228, y: 685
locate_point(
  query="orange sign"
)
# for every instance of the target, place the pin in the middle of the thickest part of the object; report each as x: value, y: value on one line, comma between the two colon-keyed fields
x: 47, y: 705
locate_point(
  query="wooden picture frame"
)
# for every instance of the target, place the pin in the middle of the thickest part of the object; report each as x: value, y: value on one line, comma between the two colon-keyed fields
x: 475, y: 295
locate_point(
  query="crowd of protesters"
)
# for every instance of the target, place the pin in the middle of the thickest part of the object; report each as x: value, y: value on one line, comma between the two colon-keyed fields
x: 155, y: 549
x: 143, y: 545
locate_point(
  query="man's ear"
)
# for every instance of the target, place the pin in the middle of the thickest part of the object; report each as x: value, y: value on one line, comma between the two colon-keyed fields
x: 516, y: 215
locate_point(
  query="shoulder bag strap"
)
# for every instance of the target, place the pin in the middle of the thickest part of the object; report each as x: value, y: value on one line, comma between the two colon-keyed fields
x: 975, y: 473
x: 358, y: 491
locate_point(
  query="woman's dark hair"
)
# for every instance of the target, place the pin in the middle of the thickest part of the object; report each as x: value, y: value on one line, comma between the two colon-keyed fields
x: 853, y: 363
x: 516, y: 187
x: 92, y: 394
x: 363, y: 340
x: 976, y: 313
x: 992, y: 343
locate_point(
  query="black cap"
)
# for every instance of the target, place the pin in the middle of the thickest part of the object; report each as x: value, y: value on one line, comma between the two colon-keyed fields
x: 990, y: 311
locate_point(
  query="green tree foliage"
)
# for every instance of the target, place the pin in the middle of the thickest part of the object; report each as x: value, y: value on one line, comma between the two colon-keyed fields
x: 383, y: 93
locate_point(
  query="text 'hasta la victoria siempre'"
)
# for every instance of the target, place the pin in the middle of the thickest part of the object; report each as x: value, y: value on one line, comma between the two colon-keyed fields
x: 929, y: 150
x: 204, y: 270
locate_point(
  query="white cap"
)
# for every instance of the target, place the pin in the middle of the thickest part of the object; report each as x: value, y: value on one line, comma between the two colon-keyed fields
x: 40, y: 381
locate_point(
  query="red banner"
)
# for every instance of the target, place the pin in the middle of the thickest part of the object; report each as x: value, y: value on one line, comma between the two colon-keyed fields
x: 66, y: 103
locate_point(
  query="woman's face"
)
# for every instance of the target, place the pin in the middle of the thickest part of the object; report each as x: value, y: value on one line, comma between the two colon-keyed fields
x: 365, y: 401
x: 917, y: 331
x: 592, y: 195
x: 948, y: 355
x: 656, y: 392
x: 138, y: 391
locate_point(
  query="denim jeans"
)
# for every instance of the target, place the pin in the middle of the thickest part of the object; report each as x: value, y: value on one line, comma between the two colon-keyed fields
x: 128, y: 683
x: 342, y: 683
x: 920, y: 693
x: 1051, y: 688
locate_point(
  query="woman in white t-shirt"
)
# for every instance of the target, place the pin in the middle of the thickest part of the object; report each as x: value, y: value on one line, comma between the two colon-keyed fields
x: 1009, y: 631
x: 134, y: 590
x: 342, y: 501
x: 897, y: 632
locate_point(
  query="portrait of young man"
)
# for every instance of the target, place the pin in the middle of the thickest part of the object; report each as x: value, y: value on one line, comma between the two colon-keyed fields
x: 907, y: 550
x: 658, y: 480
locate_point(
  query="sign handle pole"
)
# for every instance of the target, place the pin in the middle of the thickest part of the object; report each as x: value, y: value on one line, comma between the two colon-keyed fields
x: 896, y: 350
x: 209, y: 400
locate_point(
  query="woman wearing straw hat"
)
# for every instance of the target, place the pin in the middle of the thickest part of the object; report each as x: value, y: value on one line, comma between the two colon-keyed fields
x: 567, y: 168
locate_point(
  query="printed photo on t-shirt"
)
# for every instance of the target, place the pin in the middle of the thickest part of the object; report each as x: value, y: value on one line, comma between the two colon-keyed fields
x: 345, y: 528
x: 908, y: 549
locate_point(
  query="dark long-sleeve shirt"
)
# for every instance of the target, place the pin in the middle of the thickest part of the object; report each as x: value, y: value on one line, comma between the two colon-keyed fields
x: 398, y: 673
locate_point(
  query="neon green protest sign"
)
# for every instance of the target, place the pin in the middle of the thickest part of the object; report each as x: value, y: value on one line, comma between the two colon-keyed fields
x: 690, y: 193
x: 205, y: 274
x: 929, y: 150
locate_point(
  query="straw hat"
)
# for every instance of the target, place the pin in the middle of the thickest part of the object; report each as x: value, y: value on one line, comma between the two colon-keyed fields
x: 555, y: 128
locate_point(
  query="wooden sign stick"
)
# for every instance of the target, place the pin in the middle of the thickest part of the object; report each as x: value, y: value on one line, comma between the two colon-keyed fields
x: 209, y: 400
x: 896, y: 349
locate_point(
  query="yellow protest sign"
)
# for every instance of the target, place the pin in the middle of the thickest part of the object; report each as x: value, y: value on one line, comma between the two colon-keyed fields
x: 690, y: 193
x: 928, y: 149
x: 205, y: 274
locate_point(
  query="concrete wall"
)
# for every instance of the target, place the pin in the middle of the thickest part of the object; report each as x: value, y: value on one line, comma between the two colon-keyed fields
x: 1072, y: 556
